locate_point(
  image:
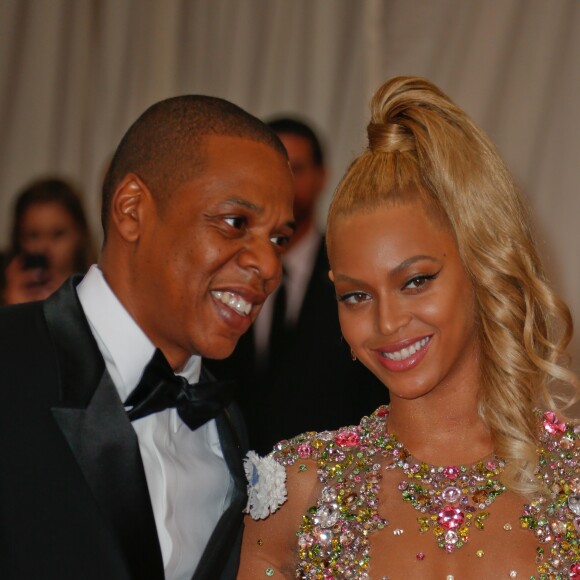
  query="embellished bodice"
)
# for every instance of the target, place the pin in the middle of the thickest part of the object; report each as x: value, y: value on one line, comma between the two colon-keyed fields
x: 451, y: 502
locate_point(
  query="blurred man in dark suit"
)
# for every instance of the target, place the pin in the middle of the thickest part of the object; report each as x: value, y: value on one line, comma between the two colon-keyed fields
x: 295, y: 372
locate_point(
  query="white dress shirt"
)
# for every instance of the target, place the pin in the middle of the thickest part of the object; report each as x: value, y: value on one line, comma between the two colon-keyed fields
x: 189, y: 483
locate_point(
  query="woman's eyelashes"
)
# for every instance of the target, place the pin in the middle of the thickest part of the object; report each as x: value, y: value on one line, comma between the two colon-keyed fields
x: 357, y: 297
x: 415, y: 284
x: 420, y: 282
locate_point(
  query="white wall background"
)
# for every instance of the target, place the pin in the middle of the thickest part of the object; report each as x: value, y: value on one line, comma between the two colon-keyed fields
x: 75, y: 73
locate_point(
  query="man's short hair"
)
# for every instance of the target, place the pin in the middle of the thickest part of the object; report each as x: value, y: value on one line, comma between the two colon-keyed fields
x: 293, y: 126
x: 164, y: 146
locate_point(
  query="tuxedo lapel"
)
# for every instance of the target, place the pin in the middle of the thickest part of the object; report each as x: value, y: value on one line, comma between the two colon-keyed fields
x: 221, y: 556
x: 94, y: 423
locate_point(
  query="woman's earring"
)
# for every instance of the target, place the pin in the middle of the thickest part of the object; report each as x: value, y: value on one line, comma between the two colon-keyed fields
x: 352, y: 355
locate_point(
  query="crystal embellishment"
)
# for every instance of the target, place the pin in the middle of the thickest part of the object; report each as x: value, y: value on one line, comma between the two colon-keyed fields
x: 327, y: 515
x: 349, y: 465
x: 450, y: 517
x: 574, y: 503
x: 451, y: 494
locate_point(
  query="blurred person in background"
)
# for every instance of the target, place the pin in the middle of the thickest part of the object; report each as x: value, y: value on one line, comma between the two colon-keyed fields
x: 294, y: 370
x: 50, y: 240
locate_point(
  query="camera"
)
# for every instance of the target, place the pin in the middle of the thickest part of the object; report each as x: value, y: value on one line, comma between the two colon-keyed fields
x: 32, y: 261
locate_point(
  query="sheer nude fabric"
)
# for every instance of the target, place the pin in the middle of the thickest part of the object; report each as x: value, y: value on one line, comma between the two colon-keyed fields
x: 502, y: 549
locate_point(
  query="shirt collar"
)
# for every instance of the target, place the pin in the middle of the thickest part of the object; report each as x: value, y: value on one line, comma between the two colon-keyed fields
x: 125, y: 347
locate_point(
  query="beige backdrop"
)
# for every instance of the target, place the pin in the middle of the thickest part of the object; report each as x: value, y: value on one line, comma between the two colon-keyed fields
x: 75, y: 73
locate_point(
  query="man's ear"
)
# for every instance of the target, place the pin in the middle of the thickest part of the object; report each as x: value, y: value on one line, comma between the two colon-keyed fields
x: 128, y: 207
x: 331, y: 275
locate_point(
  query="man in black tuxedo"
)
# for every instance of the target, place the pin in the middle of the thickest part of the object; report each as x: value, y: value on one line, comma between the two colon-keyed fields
x: 109, y: 471
x: 295, y: 371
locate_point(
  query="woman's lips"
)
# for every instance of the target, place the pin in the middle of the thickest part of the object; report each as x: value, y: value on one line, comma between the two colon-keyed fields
x: 404, y: 355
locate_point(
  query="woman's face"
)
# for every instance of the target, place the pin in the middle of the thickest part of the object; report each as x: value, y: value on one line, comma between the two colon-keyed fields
x: 406, y: 304
x: 48, y: 228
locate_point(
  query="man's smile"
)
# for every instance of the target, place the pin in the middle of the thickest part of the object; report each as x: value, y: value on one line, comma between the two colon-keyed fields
x: 233, y: 301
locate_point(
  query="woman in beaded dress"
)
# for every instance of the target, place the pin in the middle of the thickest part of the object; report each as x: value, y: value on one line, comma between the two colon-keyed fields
x: 442, y: 295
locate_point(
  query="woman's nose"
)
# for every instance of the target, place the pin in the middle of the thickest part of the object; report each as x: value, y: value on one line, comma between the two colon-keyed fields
x: 36, y: 245
x: 391, y: 315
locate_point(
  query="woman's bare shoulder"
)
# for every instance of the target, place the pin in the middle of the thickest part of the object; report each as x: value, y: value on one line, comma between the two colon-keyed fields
x: 270, y: 542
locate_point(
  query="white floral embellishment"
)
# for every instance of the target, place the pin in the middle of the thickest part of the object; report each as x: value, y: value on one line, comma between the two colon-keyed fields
x: 266, y: 485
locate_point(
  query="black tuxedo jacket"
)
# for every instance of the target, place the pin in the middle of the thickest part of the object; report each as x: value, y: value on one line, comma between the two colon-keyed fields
x: 74, y: 501
x: 314, y: 385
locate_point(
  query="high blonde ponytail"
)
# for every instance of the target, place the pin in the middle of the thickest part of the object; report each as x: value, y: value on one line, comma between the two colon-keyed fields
x: 422, y: 147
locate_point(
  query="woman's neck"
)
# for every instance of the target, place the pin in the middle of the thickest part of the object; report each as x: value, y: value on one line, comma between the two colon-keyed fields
x: 441, y: 430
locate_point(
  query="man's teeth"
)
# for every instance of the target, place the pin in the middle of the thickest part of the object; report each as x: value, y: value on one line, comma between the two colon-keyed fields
x: 234, y: 301
x: 405, y: 353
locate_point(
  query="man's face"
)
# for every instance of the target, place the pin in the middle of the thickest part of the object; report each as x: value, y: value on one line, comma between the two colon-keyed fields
x: 206, y: 261
x: 309, y: 178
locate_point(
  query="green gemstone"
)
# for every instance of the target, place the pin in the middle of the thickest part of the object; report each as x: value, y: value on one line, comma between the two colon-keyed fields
x: 528, y: 522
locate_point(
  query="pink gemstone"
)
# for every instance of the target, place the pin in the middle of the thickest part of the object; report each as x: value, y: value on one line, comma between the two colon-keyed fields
x: 304, y: 450
x: 552, y: 425
x: 347, y: 439
x: 451, y: 472
x: 420, y: 556
x: 575, y: 571
x: 450, y: 517
x: 382, y: 411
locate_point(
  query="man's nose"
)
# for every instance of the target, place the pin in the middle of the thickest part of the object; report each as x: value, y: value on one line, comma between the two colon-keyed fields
x: 262, y: 256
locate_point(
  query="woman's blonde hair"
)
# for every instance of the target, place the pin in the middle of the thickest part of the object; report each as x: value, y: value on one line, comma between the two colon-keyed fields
x: 422, y: 147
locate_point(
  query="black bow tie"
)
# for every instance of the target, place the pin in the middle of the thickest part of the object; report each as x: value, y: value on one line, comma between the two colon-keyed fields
x: 160, y: 388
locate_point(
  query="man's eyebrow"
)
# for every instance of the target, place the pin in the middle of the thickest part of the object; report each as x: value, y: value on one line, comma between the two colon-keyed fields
x: 244, y: 203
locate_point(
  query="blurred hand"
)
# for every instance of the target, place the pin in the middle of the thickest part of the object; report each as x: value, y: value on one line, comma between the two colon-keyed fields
x: 26, y: 285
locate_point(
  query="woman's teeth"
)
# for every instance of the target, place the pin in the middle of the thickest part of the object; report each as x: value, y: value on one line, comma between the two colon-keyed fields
x: 234, y: 301
x: 405, y: 353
